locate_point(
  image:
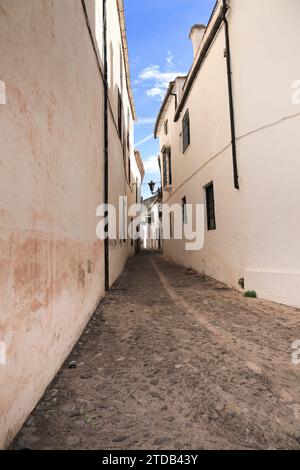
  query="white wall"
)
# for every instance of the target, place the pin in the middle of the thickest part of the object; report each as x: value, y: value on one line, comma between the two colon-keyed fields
x: 258, y: 230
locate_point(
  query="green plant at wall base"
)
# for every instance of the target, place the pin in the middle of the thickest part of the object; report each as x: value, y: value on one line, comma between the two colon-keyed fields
x: 241, y: 283
x: 251, y: 294
x: 88, y: 419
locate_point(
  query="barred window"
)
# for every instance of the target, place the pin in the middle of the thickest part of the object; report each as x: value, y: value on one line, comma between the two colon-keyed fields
x: 167, y: 169
x: 186, y: 138
x: 210, y: 207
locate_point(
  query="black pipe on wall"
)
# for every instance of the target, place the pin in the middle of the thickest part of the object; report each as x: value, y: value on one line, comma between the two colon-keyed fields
x: 106, y: 153
x: 230, y: 93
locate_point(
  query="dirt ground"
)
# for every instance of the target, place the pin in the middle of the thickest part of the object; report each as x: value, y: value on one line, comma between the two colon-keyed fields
x: 174, y: 360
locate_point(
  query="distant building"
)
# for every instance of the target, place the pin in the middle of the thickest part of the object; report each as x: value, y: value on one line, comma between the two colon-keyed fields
x: 229, y: 138
x: 151, y: 230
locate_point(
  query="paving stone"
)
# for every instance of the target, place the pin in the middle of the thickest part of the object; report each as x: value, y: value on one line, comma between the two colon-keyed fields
x: 174, y: 365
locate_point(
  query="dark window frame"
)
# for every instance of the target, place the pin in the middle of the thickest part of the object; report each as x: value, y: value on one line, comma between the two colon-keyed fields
x: 120, y: 114
x: 210, y: 207
x: 129, y: 169
x: 128, y: 141
x: 184, y: 213
x: 123, y: 142
x: 171, y: 225
x: 186, y: 131
x: 166, y: 127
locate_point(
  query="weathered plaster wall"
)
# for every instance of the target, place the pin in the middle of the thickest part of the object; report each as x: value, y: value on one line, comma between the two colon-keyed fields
x: 51, y: 181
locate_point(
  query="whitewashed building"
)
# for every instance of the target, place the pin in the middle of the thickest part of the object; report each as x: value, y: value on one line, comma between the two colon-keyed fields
x: 229, y: 139
x: 151, y: 226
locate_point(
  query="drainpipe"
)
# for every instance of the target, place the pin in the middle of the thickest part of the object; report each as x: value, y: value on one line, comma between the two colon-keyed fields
x: 106, y: 167
x: 230, y: 92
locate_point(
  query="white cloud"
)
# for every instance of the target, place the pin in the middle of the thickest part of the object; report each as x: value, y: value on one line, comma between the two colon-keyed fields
x: 151, y: 164
x: 170, y: 59
x: 154, y: 73
x: 156, y: 91
x: 160, y: 80
x: 146, y: 121
x: 144, y: 140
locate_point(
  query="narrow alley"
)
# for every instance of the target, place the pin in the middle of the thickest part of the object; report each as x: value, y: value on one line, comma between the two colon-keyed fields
x: 172, y: 359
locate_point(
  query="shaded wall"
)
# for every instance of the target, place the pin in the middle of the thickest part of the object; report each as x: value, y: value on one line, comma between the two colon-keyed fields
x: 51, y: 181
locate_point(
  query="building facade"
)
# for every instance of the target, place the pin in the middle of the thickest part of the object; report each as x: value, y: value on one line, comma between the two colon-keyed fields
x: 151, y: 226
x: 66, y: 146
x: 229, y: 139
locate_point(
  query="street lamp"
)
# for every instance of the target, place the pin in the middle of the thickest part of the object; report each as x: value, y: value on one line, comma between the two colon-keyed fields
x: 157, y: 193
x: 152, y: 186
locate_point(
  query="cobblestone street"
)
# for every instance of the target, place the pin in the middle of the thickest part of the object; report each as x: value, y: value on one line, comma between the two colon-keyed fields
x: 174, y: 360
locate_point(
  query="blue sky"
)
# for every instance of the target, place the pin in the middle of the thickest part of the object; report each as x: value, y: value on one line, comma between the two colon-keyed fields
x: 159, y: 50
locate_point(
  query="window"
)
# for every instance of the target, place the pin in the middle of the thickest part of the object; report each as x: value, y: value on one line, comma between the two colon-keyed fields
x: 171, y: 225
x: 128, y: 142
x: 120, y: 112
x: 210, y: 207
x: 129, y: 169
x: 184, y: 214
x: 166, y: 127
x: 167, y: 170
x: 124, y: 150
x: 186, y: 139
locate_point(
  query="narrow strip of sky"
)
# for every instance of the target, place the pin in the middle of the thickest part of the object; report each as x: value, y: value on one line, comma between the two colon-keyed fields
x: 159, y: 50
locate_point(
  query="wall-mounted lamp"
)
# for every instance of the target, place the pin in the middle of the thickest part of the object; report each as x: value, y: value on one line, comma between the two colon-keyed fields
x: 152, y: 187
